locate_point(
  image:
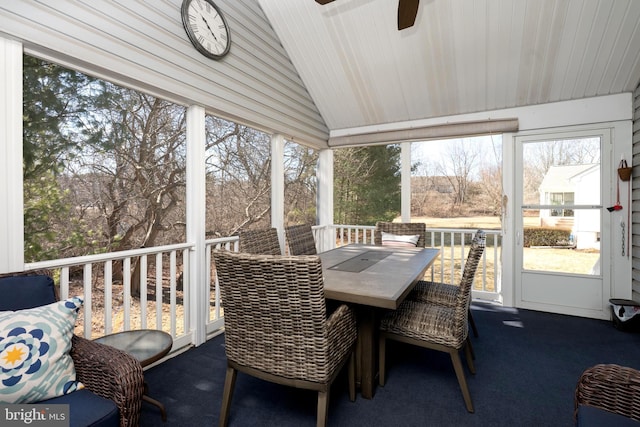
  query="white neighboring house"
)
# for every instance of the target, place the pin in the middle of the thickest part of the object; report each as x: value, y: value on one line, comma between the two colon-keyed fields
x: 573, y: 185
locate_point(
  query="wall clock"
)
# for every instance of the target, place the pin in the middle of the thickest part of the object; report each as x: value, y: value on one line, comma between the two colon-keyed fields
x: 206, y: 28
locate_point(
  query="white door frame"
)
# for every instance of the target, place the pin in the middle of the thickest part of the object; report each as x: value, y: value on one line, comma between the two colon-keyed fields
x: 617, y: 280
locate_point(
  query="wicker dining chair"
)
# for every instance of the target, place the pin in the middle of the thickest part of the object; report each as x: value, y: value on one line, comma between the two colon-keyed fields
x: 435, y: 326
x: 260, y: 241
x: 402, y: 229
x: 276, y: 325
x: 103, y: 370
x: 445, y: 293
x: 605, y: 393
x: 300, y: 240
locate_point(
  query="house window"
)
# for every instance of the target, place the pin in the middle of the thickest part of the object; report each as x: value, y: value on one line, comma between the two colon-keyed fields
x: 561, y: 199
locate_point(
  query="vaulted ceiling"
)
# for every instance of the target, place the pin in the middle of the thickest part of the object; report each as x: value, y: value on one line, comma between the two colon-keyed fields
x: 461, y: 56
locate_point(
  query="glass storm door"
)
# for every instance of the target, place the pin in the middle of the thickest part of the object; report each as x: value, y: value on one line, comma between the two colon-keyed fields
x: 559, y: 264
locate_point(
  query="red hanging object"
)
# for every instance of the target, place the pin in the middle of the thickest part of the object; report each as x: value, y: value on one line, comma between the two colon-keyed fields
x: 624, y: 174
x: 617, y: 206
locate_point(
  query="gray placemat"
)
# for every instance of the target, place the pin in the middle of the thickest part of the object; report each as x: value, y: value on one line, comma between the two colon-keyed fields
x: 361, y: 261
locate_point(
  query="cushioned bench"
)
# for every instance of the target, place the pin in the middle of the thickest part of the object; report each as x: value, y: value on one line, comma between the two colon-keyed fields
x: 103, y: 386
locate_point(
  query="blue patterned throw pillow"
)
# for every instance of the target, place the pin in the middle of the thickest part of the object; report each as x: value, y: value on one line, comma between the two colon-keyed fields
x: 34, y: 352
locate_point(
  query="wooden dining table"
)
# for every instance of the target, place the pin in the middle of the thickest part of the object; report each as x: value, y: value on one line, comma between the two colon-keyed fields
x: 372, y: 279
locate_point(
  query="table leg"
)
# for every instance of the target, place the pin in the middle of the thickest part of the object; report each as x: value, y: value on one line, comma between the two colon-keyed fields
x: 147, y: 398
x: 367, y: 333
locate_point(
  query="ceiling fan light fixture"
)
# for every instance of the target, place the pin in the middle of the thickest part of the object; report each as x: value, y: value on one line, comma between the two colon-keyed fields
x: 407, y: 12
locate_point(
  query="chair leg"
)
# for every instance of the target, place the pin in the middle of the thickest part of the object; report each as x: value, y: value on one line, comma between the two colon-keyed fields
x: 468, y: 351
x: 352, y: 377
x: 473, y: 324
x: 457, y: 366
x: 473, y: 353
x: 229, y: 384
x: 381, y: 360
x: 323, y: 408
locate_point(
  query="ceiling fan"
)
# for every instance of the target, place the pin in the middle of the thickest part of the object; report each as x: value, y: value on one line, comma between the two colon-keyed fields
x: 407, y: 11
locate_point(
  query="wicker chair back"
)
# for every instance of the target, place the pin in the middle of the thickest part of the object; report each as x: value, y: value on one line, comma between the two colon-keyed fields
x: 260, y: 241
x: 300, y: 240
x: 401, y: 228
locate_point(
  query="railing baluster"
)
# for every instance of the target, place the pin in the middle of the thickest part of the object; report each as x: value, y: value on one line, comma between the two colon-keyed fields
x: 484, y: 270
x: 64, y: 282
x: 159, y: 290
x: 463, y: 257
x: 186, y: 292
x: 442, y: 256
x: 86, y: 277
x: 429, y: 243
x: 496, y: 264
x: 452, y: 256
x: 108, y: 297
x: 126, y: 284
x: 143, y: 291
x: 172, y: 283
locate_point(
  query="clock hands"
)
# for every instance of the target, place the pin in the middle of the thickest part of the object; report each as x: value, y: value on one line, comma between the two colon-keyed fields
x: 210, y: 30
x: 220, y: 43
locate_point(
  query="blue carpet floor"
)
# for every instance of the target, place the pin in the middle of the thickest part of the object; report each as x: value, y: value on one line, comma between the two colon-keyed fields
x: 527, y: 365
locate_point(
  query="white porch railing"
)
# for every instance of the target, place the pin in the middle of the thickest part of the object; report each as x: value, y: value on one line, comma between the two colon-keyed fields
x: 106, y: 281
x: 215, y: 315
x: 112, y: 307
x: 454, y: 246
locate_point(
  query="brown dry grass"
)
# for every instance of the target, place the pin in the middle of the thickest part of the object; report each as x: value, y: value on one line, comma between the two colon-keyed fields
x: 76, y: 288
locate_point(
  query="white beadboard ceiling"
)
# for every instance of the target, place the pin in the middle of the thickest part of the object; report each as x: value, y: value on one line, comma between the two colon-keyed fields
x: 461, y: 56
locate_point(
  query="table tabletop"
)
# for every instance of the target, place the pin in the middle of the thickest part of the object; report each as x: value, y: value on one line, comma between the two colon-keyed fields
x: 375, y: 279
x: 146, y: 345
x: 377, y: 276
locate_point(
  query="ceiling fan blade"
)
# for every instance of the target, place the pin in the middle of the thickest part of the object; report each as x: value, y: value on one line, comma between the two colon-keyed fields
x: 323, y: 1
x: 407, y: 11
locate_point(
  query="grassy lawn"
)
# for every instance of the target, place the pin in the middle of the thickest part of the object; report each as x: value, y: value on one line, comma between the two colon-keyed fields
x: 484, y: 222
x: 560, y: 260
x: 538, y: 259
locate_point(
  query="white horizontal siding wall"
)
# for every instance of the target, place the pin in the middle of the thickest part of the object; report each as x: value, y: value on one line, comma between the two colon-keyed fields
x: 635, y: 222
x: 143, y: 44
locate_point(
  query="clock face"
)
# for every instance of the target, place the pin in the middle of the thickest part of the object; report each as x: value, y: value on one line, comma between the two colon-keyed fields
x: 206, y: 28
